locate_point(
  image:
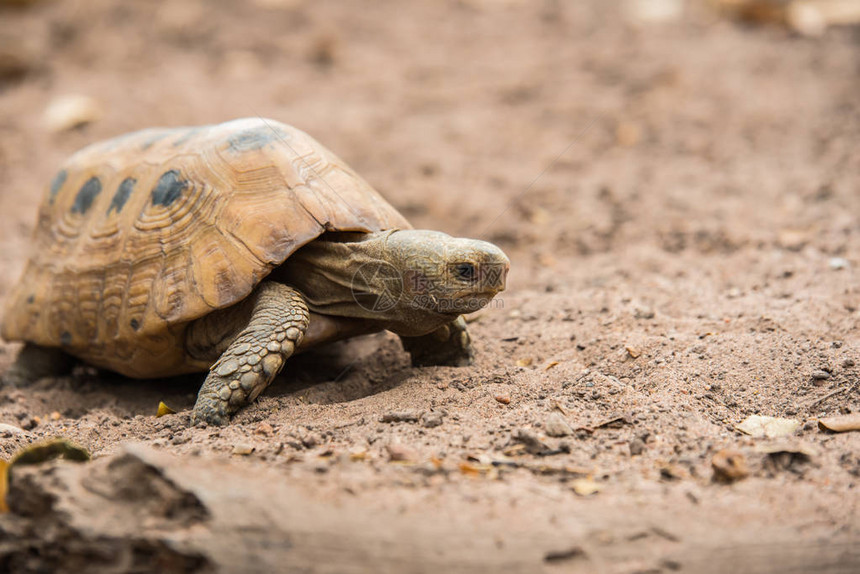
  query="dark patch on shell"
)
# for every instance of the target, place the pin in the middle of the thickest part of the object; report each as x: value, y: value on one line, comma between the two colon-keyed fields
x: 153, y: 139
x: 123, y: 192
x: 86, y: 195
x: 57, y: 183
x: 187, y: 136
x: 169, y: 188
x: 66, y: 338
x: 135, y: 324
x: 254, y: 138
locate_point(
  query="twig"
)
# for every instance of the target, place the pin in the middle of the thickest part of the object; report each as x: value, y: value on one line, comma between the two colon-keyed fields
x: 833, y: 394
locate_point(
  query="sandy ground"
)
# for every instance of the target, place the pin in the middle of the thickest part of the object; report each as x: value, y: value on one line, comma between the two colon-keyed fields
x: 680, y: 204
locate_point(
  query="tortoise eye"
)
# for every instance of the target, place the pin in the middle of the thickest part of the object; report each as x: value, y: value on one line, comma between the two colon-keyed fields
x: 465, y: 271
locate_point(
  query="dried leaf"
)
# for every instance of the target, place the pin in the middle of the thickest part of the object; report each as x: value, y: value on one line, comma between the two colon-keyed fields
x: 48, y: 450
x: 771, y: 427
x: 356, y: 456
x: 844, y: 423
x: 474, y: 469
x: 35, y: 454
x: 550, y: 365
x: 525, y: 362
x: 163, y: 410
x: 633, y: 352
x: 4, y: 485
x: 585, y: 486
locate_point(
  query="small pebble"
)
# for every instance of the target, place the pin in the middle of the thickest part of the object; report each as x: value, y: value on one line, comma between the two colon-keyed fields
x: 503, y: 398
x: 820, y: 375
x: 837, y: 263
x: 729, y: 466
x: 243, y: 449
x: 556, y: 426
x: 637, y: 447
x: 431, y: 419
x: 400, y: 417
x: 400, y: 453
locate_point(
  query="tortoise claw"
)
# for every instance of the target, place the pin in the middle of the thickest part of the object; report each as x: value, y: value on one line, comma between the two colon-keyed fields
x: 448, y: 345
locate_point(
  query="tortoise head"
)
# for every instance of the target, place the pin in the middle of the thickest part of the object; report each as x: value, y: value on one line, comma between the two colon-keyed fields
x: 410, y: 282
x: 441, y: 277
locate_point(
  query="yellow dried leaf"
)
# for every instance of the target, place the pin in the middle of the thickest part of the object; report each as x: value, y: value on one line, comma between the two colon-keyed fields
x: 4, y: 486
x: 49, y: 450
x: 524, y: 362
x: 163, y: 410
x: 551, y: 365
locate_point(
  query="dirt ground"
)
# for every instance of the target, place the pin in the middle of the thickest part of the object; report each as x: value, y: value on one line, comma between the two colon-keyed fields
x: 680, y: 204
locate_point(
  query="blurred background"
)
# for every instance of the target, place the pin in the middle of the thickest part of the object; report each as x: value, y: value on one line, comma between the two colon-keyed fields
x: 677, y: 183
x: 554, y: 128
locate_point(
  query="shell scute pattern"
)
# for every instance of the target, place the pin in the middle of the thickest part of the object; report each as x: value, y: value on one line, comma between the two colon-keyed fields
x: 183, y: 221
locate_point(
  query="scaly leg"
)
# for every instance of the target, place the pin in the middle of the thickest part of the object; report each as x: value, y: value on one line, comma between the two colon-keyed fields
x: 268, y: 326
x: 448, y: 345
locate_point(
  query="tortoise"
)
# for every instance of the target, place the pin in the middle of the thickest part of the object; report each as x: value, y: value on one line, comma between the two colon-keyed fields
x: 229, y: 248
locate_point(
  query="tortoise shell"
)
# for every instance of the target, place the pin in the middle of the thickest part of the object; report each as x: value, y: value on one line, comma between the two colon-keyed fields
x: 139, y: 235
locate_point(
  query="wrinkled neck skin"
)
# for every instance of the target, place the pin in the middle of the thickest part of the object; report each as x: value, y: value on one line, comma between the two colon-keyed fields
x: 394, y: 280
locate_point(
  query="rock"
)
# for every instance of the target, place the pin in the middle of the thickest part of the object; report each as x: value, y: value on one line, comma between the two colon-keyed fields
x: 264, y: 429
x: 637, y: 446
x: 145, y: 510
x: 71, y: 111
x: 729, y: 466
x: 310, y: 441
x: 11, y: 429
x: 431, y: 419
x: 837, y: 263
x: 530, y: 440
x: 820, y: 375
x: 556, y: 426
x: 643, y: 313
x: 400, y: 453
x: 242, y: 449
x: 503, y: 398
x: 400, y: 417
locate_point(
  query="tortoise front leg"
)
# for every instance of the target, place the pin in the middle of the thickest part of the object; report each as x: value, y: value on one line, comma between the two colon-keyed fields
x: 448, y: 345
x: 260, y: 334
